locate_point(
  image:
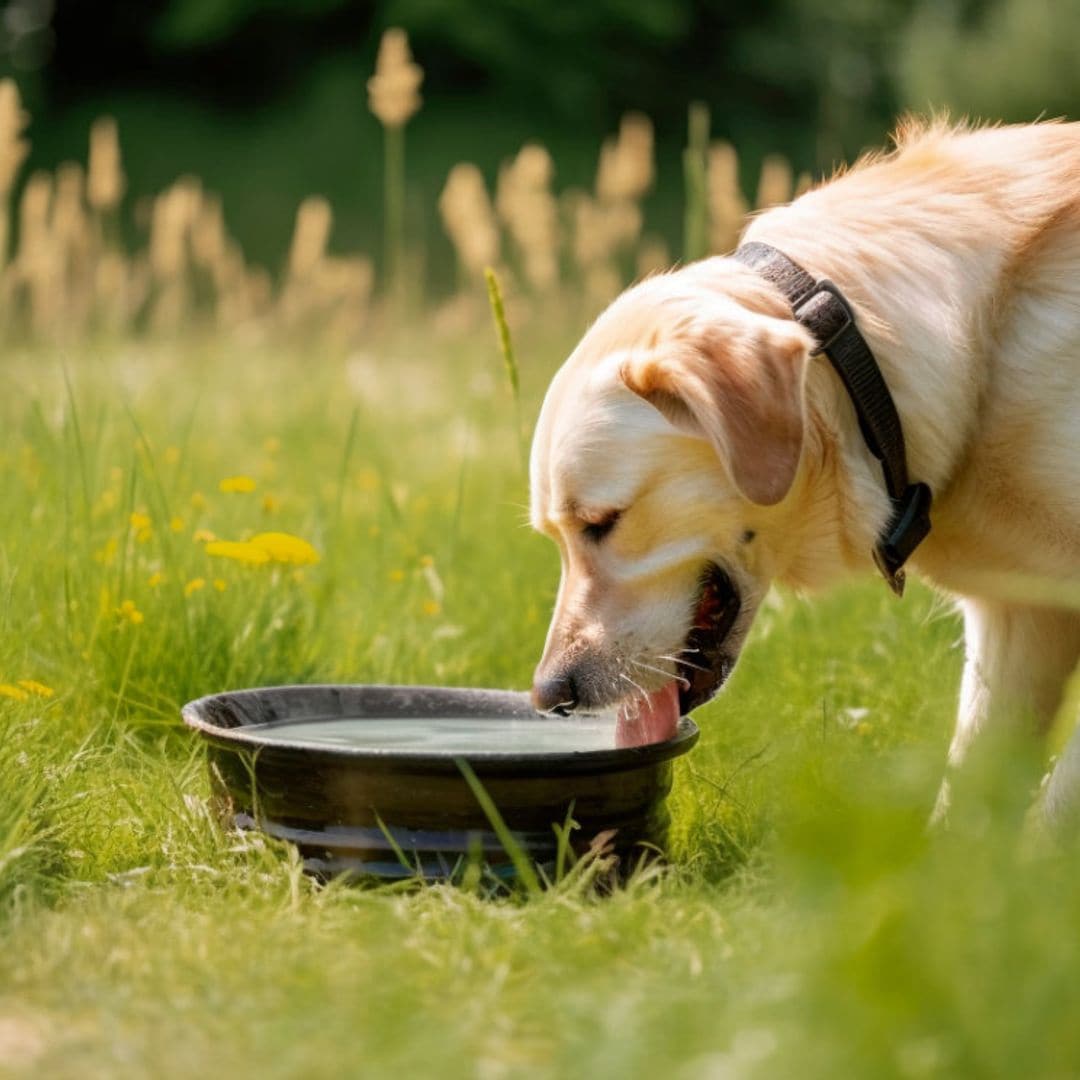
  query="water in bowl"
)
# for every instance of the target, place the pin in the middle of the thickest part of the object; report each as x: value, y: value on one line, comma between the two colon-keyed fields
x: 446, y: 734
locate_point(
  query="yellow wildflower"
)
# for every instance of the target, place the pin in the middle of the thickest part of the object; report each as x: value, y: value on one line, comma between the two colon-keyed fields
x: 237, y: 484
x: 194, y: 585
x: 14, y: 692
x: 198, y: 500
x: 397, y: 576
x: 432, y: 607
x: 203, y: 536
x: 127, y: 610
x: 285, y: 548
x: 271, y: 504
x: 426, y: 561
x: 220, y: 584
x: 34, y: 687
x: 241, y: 552
x: 142, y: 526
x: 176, y: 524
x: 172, y: 455
x: 155, y: 579
x: 107, y: 555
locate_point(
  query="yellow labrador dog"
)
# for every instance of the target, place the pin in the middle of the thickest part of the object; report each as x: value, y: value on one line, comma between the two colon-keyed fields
x: 697, y: 446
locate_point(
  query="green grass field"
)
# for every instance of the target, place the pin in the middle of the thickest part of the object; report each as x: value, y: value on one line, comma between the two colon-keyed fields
x: 807, y: 924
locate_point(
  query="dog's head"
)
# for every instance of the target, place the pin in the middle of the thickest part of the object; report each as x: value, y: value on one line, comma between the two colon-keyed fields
x: 663, y: 454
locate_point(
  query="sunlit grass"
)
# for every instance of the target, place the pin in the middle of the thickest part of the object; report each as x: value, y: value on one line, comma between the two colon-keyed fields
x: 808, y: 924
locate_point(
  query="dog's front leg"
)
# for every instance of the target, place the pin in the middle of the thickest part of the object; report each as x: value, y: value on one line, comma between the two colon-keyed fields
x: 1018, y: 659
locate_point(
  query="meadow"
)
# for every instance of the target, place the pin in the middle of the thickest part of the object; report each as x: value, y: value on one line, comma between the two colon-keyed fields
x: 806, y: 922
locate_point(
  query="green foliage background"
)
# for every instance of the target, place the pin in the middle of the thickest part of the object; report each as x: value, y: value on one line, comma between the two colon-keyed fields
x: 266, y: 100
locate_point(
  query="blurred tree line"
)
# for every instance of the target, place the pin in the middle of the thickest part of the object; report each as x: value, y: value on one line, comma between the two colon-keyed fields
x: 265, y: 98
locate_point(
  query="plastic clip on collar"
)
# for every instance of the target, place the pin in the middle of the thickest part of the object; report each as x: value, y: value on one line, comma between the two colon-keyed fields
x: 822, y: 309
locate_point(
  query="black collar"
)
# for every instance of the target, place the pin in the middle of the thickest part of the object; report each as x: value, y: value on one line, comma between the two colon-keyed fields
x: 822, y: 309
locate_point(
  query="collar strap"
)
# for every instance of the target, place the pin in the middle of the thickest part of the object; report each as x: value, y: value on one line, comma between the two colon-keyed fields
x: 822, y: 309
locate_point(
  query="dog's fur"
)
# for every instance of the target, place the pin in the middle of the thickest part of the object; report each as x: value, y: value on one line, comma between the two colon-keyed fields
x: 692, y: 407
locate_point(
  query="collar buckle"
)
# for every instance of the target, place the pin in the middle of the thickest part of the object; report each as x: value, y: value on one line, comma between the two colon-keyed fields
x: 907, y: 529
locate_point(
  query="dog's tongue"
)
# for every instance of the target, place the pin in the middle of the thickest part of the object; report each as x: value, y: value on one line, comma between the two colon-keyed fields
x: 652, y: 719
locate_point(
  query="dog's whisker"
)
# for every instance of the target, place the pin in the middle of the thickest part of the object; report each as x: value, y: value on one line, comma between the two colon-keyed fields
x: 641, y: 691
x: 684, y: 661
x: 660, y: 671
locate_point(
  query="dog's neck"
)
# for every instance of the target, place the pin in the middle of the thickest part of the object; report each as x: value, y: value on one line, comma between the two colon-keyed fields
x: 930, y: 320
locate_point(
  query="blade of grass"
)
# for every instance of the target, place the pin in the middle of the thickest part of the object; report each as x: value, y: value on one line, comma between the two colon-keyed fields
x: 506, y: 347
x: 521, y: 861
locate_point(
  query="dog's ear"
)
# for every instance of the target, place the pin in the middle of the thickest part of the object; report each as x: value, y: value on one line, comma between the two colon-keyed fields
x: 744, y: 393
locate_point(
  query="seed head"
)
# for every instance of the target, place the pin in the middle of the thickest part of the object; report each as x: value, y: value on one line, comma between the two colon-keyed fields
x: 105, y: 181
x: 727, y: 207
x: 469, y: 218
x: 394, y: 89
x: 13, y: 147
x: 775, y: 184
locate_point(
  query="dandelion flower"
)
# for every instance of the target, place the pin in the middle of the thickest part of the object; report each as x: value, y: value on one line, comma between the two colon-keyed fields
x: 155, y: 579
x: 176, y: 524
x: 141, y: 525
x: 271, y: 504
x: 397, y: 576
x: 220, y: 584
x: 239, y: 551
x: 203, y: 536
x: 198, y: 500
x: 31, y: 686
x: 285, y: 548
x: 432, y: 607
x: 194, y: 585
x: 16, y: 693
x: 233, y: 484
x: 129, y: 612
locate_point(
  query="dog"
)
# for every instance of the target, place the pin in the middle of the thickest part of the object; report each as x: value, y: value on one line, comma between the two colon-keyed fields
x: 694, y: 449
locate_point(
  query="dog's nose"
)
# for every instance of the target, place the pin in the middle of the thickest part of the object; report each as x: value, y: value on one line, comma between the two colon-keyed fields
x: 556, y: 693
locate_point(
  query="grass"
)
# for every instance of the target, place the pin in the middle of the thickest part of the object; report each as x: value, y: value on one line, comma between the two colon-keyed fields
x: 807, y: 924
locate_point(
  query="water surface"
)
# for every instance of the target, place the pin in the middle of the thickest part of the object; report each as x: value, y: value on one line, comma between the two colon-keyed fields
x: 447, y: 734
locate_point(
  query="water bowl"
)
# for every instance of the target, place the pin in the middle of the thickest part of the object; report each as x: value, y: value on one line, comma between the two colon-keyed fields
x: 374, y: 781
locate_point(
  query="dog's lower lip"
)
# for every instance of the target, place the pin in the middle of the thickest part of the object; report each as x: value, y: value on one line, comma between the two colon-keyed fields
x: 707, y: 663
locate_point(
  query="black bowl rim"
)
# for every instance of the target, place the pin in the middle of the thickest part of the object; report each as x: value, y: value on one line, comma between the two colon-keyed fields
x: 483, y: 761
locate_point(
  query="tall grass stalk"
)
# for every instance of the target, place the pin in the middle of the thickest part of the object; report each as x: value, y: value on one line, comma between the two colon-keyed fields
x: 394, y: 209
x: 695, y: 178
x: 506, y: 347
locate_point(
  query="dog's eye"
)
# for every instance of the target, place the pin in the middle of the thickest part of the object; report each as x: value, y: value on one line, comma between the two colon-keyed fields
x: 597, y: 530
